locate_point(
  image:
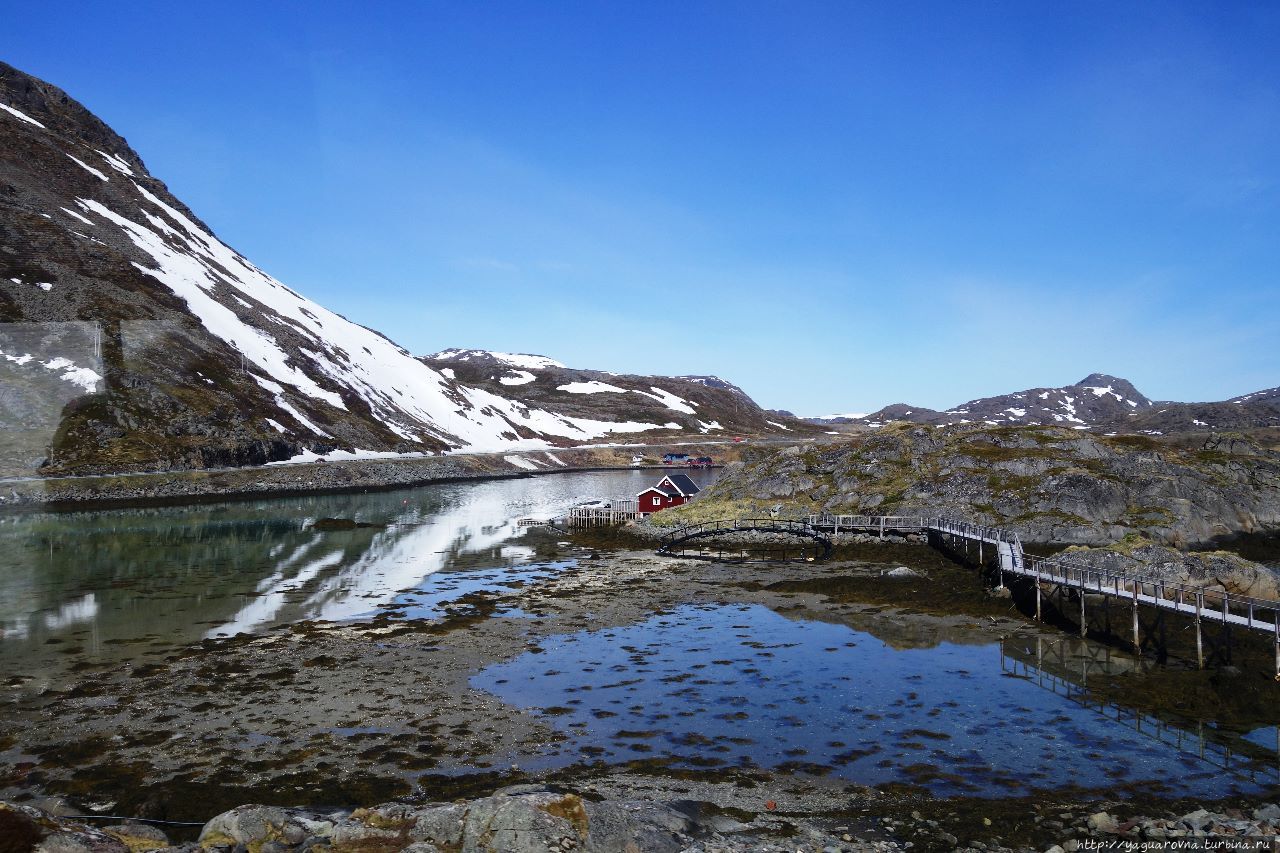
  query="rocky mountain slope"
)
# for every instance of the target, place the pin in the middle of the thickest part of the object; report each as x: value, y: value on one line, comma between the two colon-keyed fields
x: 696, y: 405
x: 1048, y: 483
x: 132, y: 338
x: 1098, y: 402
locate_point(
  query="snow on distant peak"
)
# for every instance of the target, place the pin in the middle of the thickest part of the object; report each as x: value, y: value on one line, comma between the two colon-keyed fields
x: 519, y: 377
x: 522, y: 360
x: 1098, y: 392
x: 21, y: 116
x: 853, y: 416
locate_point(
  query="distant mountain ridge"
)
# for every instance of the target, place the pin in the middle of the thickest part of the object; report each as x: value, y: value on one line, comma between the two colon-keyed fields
x: 1099, y: 401
x: 698, y: 405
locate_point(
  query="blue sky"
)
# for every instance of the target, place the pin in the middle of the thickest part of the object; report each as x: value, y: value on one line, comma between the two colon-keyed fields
x: 835, y: 205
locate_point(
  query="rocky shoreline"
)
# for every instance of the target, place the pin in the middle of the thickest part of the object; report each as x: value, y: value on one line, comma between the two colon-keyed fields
x: 552, y: 819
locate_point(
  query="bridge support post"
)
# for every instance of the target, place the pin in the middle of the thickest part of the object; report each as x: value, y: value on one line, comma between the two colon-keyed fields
x: 1084, y: 620
x: 1199, y: 632
x: 1275, y: 616
x: 1037, y: 599
x: 1137, y: 643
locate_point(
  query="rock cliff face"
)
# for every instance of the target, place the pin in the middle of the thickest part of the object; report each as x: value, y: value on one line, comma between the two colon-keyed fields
x: 1049, y: 484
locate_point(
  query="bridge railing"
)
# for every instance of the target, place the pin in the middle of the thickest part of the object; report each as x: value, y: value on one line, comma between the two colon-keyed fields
x: 1216, y: 604
x: 732, y: 524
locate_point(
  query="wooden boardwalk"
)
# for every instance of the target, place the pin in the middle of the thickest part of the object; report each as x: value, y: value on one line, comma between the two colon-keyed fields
x: 614, y: 511
x: 673, y: 544
x: 1003, y: 549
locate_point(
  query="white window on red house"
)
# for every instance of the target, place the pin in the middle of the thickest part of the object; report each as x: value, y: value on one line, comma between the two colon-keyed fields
x: 657, y: 501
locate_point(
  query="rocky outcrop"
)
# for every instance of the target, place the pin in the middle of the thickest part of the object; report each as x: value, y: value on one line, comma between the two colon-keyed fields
x: 1049, y: 484
x: 1212, y: 571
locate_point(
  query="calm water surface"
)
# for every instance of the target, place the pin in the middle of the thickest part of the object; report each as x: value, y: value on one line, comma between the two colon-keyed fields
x: 101, y: 582
x: 742, y: 686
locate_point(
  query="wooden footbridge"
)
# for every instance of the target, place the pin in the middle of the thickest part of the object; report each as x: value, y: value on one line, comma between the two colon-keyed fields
x: 1002, y: 550
x: 676, y: 543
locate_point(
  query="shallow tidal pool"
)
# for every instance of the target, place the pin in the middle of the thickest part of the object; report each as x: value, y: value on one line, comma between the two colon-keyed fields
x: 740, y: 686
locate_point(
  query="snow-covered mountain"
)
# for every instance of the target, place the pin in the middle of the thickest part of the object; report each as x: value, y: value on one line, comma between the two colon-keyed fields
x: 1098, y: 401
x: 695, y: 405
x: 181, y: 352
x: 519, y: 360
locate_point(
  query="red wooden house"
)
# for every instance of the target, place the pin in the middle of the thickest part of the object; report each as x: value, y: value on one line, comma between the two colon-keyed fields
x: 671, y: 490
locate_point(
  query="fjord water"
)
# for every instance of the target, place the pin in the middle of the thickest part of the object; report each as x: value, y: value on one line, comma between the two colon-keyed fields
x: 105, y: 582
x: 705, y: 686
x: 741, y: 686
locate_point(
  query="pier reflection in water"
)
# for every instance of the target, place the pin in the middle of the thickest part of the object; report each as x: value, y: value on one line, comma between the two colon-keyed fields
x: 1063, y: 666
x: 872, y: 701
x: 114, y: 583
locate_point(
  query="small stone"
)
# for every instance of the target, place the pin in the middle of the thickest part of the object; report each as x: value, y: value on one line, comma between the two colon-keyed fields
x: 1071, y: 845
x: 1054, y: 849
x: 1101, y: 822
x: 986, y: 821
x: 138, y: 836
x: 1267, y: 812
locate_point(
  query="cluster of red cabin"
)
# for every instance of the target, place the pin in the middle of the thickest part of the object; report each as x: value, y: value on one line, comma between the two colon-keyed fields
x: 671, y: 490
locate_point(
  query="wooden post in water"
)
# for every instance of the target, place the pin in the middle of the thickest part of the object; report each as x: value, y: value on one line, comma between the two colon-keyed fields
x: 1137, y: 644
x: 1084, y: 620
x: 1275, y: 617
x: 1037, y: 581
x: 1199, y: 633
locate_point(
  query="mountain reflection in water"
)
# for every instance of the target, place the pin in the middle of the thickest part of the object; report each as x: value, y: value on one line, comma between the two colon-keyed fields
x: 99, y: 582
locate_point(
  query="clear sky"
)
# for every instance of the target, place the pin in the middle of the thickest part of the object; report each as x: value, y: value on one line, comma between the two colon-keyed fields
x: 835, y: 205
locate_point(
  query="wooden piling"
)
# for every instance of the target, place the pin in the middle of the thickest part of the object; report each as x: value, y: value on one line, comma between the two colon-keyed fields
x: 1199, y: 632
x: 1137, y: 640
x: 1084, y: 621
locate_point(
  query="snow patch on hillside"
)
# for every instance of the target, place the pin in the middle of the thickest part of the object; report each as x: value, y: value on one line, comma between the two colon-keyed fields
x: 344, y: 456
x: 68, y: 371
x: 520, y: 377
x: 671, y: 401
x: 83, y: 165
x: 514, y: 359
x: 592, y: 387
x: 21, y: 116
